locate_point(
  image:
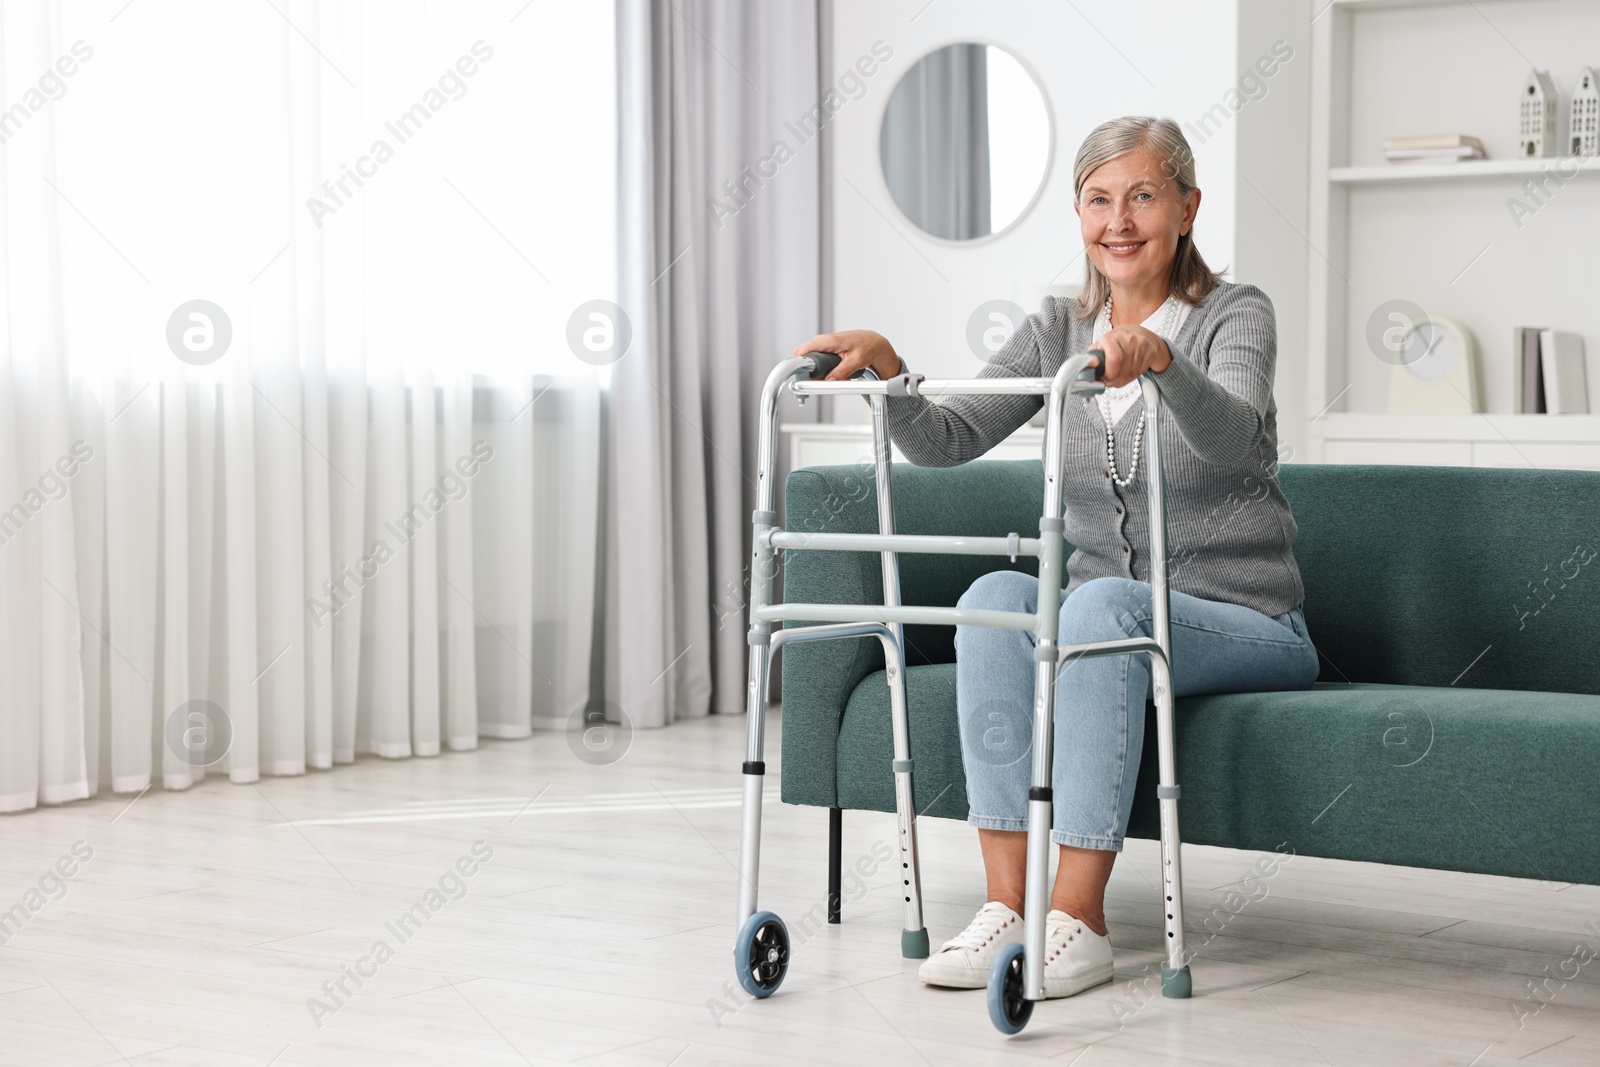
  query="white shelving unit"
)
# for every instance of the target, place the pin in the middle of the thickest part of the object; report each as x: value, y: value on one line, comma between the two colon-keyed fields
x: 1467, y: 170
x: 1446, y: 237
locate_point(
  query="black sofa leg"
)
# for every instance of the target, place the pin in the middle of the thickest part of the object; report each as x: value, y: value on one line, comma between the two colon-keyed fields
x: 835, y: 846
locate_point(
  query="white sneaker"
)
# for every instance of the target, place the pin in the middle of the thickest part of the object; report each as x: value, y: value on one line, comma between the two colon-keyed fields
x: 963, y: 961
x: 1075, y: 957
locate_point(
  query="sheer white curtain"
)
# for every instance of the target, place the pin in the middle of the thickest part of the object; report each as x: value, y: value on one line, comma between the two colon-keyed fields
x: 366, y: 524
x: 720, y: 266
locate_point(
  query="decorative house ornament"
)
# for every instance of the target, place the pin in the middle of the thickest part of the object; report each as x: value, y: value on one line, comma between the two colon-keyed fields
x: 1585, y: 126
x: 1538, y: 127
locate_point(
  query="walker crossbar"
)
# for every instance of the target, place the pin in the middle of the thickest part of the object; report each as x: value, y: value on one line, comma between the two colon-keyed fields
x: 1111, y: 648
x: 761, y: 951
x: 923, y: 543
x: 1003, y: 620
x: 917, y: 385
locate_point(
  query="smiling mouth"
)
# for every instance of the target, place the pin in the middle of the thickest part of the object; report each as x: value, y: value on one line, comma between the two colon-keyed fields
x: 1122, y: 248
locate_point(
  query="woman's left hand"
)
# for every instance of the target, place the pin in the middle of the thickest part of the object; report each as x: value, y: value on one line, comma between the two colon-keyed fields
x: 1130, y: 351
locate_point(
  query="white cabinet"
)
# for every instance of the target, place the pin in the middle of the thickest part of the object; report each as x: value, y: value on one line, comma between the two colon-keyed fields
x: 1545, y: 442
x: 828, y: 444
x: 1418, y: 453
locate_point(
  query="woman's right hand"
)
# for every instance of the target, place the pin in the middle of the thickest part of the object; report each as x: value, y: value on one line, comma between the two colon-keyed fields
x: 856, y: 349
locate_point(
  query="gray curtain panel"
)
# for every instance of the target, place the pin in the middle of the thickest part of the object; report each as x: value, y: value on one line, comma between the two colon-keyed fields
x: 934, y: 144
x: 719, y: 232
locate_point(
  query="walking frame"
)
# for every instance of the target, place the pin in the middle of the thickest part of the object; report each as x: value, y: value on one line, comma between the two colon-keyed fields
x: 761, y: 952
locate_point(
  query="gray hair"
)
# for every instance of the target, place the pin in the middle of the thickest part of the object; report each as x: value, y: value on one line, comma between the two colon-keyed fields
x: 1192, y: 281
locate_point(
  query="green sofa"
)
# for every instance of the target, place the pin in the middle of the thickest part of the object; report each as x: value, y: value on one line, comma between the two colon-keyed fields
x: 1455, y: 724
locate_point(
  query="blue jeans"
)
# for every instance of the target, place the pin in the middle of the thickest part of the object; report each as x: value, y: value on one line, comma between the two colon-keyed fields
x: 1100, y: 703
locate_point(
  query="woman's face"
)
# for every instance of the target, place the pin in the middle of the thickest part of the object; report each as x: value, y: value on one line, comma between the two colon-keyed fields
x: 1132, y: 217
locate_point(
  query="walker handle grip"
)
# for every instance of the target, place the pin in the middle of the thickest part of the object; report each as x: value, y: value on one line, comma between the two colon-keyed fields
x: 1096, y: 372
x: 825, y: 363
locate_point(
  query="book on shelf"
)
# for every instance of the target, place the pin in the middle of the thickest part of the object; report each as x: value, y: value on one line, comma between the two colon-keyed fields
x: 1438, y: 148
x: 1430, y: 155
x: 1527, y: 378
x: 1436, y: 140
x: 1566, y: 385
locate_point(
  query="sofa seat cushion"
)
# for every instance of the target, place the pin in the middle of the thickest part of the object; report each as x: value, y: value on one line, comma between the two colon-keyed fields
x: 866, y: 744
x: 1478, y: 780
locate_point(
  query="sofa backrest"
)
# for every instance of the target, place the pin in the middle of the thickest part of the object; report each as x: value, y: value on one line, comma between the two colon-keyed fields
x: 1485, y: 578
x: 1479, y: 577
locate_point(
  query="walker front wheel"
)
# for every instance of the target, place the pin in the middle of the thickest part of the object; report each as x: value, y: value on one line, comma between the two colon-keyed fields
x: 1009, y: 1010
x: 761, y: 954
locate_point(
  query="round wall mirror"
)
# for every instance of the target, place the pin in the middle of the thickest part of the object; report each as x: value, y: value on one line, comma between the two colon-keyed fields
x: 966, y: 141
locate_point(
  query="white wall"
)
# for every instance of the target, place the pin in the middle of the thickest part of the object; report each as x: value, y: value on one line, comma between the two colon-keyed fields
x: 1172, y: 59
x: 1272, y: 214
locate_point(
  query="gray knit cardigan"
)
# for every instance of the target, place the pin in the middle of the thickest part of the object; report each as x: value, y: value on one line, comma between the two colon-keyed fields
x: 1230, y: 533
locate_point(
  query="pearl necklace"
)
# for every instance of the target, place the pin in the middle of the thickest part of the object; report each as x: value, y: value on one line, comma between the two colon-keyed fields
x: 1171, y: 307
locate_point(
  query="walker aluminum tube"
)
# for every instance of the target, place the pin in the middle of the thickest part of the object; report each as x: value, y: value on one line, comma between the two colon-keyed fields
x: 914, y: 935
x: 948, y: 386
x: 762, y: 564
x: 1004, y: 620
x: 928, y: 543
x: 1159, y: 601
x: 984, y: 387
x: 832, y: 632
x: 1111, y: 648
x: 749, y: 846
x: 1175, y: 979
x: 1041, y: 802
x: 926, y: 387
x: 1041, y: 805
x: 913, y: 941
x: 853, y: 387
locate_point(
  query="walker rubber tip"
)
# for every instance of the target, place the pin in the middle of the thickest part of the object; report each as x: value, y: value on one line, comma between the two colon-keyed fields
x: 1176, y: 985
x: 914, y: 944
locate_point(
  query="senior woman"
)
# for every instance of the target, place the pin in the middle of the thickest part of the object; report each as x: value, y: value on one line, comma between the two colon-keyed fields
x: 1153, y: 306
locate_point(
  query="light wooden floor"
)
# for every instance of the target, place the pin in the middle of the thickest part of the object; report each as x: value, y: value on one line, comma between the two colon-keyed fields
x: 599, y: 932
